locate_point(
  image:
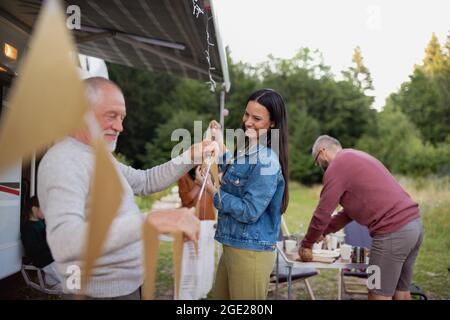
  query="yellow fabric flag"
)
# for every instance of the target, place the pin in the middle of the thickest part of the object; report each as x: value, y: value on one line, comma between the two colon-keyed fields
x: 178, y: 245
x: 47, y: 100
x: 151, y: 253
x: 106, y: 191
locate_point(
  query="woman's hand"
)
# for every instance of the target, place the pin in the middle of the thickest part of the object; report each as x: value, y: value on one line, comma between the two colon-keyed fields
x: 199, y: 179
x: 210, y: 188
x: 198, y: 176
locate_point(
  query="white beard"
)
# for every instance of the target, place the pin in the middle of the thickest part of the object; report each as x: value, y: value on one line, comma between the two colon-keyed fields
x: 112, y: 146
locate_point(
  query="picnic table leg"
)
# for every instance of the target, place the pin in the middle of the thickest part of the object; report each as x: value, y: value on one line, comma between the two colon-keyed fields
x: 339, y: 282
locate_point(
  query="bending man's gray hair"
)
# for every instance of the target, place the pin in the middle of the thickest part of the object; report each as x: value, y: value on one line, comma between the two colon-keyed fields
x: 93, y: 86
x: 326, y: 142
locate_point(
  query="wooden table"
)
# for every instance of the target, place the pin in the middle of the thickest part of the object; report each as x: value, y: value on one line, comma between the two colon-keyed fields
x: 291, y: 263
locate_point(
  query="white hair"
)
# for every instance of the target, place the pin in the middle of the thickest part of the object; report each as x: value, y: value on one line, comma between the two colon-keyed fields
x: 93, y: 88
x: 325, y: 142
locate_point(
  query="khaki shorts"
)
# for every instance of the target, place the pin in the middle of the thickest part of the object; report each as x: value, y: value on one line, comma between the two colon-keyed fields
x: 395, y: 254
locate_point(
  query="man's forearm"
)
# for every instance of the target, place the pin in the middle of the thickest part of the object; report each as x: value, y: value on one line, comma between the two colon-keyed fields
x: 337, y: 222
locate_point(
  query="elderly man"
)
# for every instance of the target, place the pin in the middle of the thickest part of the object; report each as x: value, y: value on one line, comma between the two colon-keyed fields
x: 370, y: 195
x: 64, y: 178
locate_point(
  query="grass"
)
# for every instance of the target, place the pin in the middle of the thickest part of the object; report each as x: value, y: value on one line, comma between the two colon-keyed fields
x: 145, y: 203
x: 434, y: 258
x: 164, y: 288
x: 433, y: 196
x: 430, y: 273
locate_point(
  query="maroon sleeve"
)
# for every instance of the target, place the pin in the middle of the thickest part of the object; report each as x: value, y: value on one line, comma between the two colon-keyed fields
x: 333, y: 188
x: 337, y: 222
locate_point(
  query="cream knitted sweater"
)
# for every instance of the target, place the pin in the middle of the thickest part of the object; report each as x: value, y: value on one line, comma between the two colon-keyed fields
x: 64, y: 178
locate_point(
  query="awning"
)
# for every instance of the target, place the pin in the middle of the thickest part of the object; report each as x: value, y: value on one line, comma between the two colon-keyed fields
x: 158, y: 35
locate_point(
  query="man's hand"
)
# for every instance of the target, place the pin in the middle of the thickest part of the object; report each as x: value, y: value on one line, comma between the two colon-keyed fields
x: 321, y: 238
x: 202, y: 150
x: 217, y: 135
x: 176, y: 220
x: 305, y: 254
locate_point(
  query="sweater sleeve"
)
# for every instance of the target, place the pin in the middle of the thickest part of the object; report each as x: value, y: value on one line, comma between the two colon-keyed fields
x: 337, y: 222
x: 144, y: 182
x: 333, y: 189
x: 63, y: 192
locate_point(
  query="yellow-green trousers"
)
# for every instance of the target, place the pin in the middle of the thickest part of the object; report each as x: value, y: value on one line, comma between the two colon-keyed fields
x: 243, y: 274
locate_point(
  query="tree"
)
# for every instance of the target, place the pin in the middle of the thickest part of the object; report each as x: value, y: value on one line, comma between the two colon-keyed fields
x: 243, y: 83
x: 434, y: 60
x: 317, y: 104
x: 190, y: 95
x: 159, y: 150
x: 144, y: 92
x: 397, y: 143
x: 391, y: 140
x: 425, y: 98
x: 340, y: 107
x: 303, y: 131
x: 358, y: 73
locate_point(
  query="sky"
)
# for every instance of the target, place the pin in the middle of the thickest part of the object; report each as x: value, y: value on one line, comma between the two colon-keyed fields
x: 392, y: 34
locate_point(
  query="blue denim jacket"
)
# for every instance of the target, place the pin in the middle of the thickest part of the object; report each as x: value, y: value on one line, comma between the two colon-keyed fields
x: 250, y: 200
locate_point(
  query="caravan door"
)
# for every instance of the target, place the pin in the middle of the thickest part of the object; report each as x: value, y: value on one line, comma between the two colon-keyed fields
x: 10, y: 187
x: 10, y: 244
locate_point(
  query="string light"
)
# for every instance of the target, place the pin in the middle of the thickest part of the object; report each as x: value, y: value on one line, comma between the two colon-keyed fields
x: 197, y: 11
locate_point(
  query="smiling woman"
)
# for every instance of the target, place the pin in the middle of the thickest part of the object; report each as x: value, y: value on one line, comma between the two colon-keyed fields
x: 251, y: 199
x: 256, y: 120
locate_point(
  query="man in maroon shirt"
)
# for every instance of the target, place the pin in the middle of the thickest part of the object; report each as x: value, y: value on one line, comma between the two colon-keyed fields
x: 371, y: 196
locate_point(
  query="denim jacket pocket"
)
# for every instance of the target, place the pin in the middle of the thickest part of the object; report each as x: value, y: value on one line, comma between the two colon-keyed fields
x: 236, y: 182
x: 250, y: 232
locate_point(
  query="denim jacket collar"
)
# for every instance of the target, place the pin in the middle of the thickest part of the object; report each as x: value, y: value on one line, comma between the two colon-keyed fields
x: 252, y: 150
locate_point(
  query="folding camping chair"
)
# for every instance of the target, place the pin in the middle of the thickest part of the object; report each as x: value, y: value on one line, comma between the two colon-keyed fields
x: 353, y: 282
x: 280, y: 277
x: 280, y: 274
x: 31, y: 272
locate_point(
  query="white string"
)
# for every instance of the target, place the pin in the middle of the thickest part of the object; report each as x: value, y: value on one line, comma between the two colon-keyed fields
x: 196, y: 11
x: 204, y: 181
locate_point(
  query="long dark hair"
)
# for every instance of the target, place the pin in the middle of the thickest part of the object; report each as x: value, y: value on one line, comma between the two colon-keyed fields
x: 274, y: 103
x: 32, y: 202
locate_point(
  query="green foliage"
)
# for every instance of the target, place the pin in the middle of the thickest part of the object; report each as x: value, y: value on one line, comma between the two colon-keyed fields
x: 340, y: 107
x: 243, y: 82
x: 410, y: 136
x: 144, y: 92
x: 303, y: 130
x: 358, y: 73
x: 122, y: 158
x: 189, y: 95
x: 397, y: 143
x: 160, y: 149
x: 425, y: 98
